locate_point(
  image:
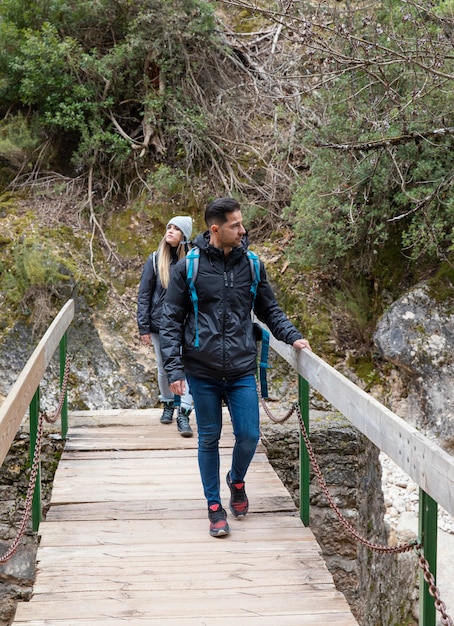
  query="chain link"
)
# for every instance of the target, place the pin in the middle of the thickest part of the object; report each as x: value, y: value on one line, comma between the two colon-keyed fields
x: 35, y: 465
x: 446, y: 620
x: 276, y: 420
x: 29, y: 499
x: 403, y: 547
x: 53, y: 418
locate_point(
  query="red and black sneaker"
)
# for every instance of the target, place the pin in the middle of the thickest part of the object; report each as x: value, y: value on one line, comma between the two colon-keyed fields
x: 239, y: 504
x: 218, y: 521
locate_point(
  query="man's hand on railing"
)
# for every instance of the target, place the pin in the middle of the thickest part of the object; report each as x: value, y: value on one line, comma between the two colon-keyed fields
x: 302, y: 344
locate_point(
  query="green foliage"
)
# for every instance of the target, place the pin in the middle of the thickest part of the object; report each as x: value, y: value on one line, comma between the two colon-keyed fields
x: 40, y: 266
x: 441, y: 285
x: 355, y: 302
x: 110, y: 72
x: 46, y: 74
x: 35, y: 266
x: 144, y: 95
x: 17, y: 141
x: 165, y: 181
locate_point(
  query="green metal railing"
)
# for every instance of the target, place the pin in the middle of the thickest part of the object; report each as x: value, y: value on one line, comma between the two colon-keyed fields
x: 25, y: 394
x: 64, y: 409
x: 428, y: 533
x: 426, y: 463
x: 34, y: 426
x: 305, y: 466
x: 34, y: 422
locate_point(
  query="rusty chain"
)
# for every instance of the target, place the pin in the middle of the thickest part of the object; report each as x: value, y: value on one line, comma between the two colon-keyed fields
x: 277, y: 420
x: 29, y: 499
x: 446, y: 620
x: 35, y: 465
x: 52, y: 419
x: 440, y: 606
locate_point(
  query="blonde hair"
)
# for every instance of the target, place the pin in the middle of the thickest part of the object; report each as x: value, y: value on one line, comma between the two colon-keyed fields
x: 164, y: 260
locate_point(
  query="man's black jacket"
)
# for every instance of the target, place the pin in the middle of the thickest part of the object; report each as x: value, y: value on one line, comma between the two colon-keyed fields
x: 227, y: 345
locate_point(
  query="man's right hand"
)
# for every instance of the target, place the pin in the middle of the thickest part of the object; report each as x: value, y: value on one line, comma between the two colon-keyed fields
x: 178, y: 387
x: 146, y: 340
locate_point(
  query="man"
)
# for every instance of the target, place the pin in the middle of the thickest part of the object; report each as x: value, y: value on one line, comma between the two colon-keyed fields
x: 222, y: 366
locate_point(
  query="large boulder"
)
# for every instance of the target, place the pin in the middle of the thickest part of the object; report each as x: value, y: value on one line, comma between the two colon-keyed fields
x: 416, y: 334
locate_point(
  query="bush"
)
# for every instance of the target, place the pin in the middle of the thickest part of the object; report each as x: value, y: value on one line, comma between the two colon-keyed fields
x: 35, y: 267
x: 17, y: 141
x: 112, y: 72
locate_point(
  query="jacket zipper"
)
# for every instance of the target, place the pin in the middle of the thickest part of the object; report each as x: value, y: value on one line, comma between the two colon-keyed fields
x: 226, y: 286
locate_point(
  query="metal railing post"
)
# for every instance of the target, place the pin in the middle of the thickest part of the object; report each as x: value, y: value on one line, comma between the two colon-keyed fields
x: 428, y: 530
x: 64, y: 409
x: 34, y: 422
x: 303, y: 399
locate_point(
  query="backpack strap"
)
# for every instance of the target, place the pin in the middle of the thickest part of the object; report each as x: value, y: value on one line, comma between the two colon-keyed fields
x: 192, y: 266
x: 153, y: 258
x: 255, y: 273
x: 264, y: 363
x: 265, y: 334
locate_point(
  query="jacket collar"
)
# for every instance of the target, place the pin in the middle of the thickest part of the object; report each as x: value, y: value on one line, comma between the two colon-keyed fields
x: 203, y: 242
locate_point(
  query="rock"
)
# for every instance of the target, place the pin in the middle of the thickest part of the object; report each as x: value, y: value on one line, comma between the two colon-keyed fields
x: 416, y: 334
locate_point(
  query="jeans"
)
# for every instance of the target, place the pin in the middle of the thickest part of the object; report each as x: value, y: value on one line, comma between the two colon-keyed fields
x: 240, y: 396
x: 163, y: 382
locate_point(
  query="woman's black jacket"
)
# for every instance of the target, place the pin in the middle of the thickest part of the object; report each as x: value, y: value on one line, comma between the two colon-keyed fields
x: 227, y: 345
x: 151, y: 295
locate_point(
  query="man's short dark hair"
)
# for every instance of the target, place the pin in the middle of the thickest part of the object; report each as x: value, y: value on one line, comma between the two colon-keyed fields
x: 216, y: 211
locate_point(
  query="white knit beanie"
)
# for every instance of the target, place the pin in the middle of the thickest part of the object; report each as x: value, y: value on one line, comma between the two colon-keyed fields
x: 184, y: 223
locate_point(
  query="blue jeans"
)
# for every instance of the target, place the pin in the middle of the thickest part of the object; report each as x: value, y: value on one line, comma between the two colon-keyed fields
x: 240, y: 396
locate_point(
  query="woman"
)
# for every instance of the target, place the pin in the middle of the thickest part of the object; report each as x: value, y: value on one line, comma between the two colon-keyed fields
x: 152, y: 289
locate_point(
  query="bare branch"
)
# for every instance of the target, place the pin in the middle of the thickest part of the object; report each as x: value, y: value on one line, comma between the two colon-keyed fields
x: 388, y: 141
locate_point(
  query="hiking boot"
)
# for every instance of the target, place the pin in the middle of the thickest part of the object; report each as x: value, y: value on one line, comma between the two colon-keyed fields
x: 167, y: 414
x: 218, y: 521
x: 183, y: 423
x: 239, y: 504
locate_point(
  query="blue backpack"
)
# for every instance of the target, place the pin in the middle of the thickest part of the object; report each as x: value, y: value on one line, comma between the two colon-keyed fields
x: 192, y: 266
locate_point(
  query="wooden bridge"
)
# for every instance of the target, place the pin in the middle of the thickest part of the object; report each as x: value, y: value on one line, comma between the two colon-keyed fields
x: 126, y: 538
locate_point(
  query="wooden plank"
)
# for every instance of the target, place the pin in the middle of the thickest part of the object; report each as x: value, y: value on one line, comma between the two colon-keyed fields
x: 144, y: 454
x: 120, y: 559
x: 18, y: 400
x: 187, y: 487
x: 259, y: 570
x: 189, y: 603
x: 424, y: 461
x: 127, y: 470
x: 229, y: 549
x: 278, y: 619
x: 144, y: 532
x: 138, y: 509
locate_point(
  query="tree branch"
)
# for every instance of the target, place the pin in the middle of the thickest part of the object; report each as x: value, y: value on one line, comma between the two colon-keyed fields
x: 387, y: 141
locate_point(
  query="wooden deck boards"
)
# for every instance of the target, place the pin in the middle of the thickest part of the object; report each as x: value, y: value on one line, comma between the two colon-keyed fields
x: 126, y: 539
